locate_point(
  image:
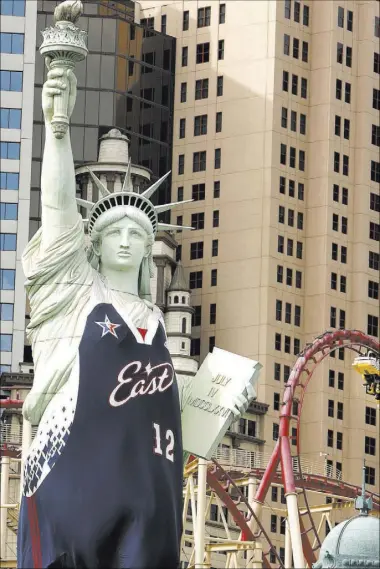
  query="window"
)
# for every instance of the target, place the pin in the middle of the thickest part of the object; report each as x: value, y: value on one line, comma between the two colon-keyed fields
x: 286, y: 44
x: 279, y: 310
x: 335, y: 193
x: 185, y: 21
x: 5, y: 342
x: 288, y: 313
x: 11, y: 43
x: 214, y: 248
x: 376, y: 99
x: 344, y: 196
x: 297, y: 11
x: 287, y: 9
x: 343, y: 284
x: 333, y: 317
x: 339, y: 441
x: 182, y: 128
x: 8, y: 211
x: 336, y: 162
x: 335, y: 222
x: 285, y: 80
x: 218, y: 158
x: 12, y: 7
x: 350, y: 20
x: 333, y: 281
x: 200, y: 125
x: 298, y: 279
x: 199, y: 161
x: 178, y: 253
x: 7, y: 279
x: 370, y: 416
x: 376, y: 135
x: 219, y: 86
x: 338, y: 89
x: 286, y: 373
x: 214, y: 277
x: 302, y: 124
x: 306, y: 12
x: 10, y: 150
x: 274, y: 493
x: 221, y: 49
x: 374, y: 231
x: 292, y: 157
x: 297, y: 315
x: 296, y: 347
x: 296, y: 48
x: 148, y: 23
x: 283, y: 154
x: 330, y: 408
x: 181, y: 164
x: 183, y: 92
x: 330, y: 438
x: 282, y: 185
x: 195, y: 279
x: 347, y: 93
x: 280, y: 274
x: 375, y: 171
x: 373, y: 290
x: 198, y: 220
x: 222, y: 13
x: 198, y: 192
x: 339, y: 52
x: 196, y: 250
x: 218, y: 121
x: 305, y: 51
x: 212, y: 313
x: 277, y: 371
x: 370, y: 475
x: 215, y: 218
x: 341, y: 380
x: 11, y: 80
x: 289, y: 277
x: 284, y: 117
x: 303, y: 88
x: 339, y: 411
x: 8, y: 241
x: 373, y: 260
x: 372, y: 325
x: 195, y: 347
x: 287, y: 343
x: 216, y: 189
x: 294, y: 84
x: 6, y: 311
x: 276, y: 401
x: 331, y: 378
x: 201, y: 89
x: 275, y: 433
x: 301, y: 160
x: 340, y: 17
x: 196, y: 319
x: 280, y: 244
x: 290, y: 217
x: 293, y: 121
x: 163, y: 24
x: 281, y: 214
x: 203, y: 52
x: 376, y: 62
x: 211, y: 343
x: 277, y: 342
x: 185, y: 56
x: 344, y: 223
x: 179, y: 222
x: 338, y: 121
x: 204, y: 17
x: 348, y: 56
x: 299, y: 222
x: 10, y: 118
x: 377, y: 27
x: 334, y: 252
x: 343, y: 254
x: 370, y: 446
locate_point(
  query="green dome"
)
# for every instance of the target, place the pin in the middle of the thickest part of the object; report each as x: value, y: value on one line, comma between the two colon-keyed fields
x: 353, y: 543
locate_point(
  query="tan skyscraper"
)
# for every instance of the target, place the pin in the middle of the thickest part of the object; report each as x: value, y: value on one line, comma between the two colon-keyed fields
x: 276, y: 138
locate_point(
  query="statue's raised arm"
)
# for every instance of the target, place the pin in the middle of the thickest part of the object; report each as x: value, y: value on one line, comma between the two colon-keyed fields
x: 59, y: 208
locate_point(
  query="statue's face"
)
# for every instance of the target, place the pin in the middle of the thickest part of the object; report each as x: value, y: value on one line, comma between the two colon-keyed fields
x: 123, y: 245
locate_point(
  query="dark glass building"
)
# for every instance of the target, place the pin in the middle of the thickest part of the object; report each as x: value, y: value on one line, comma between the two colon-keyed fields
x: 126, y: 82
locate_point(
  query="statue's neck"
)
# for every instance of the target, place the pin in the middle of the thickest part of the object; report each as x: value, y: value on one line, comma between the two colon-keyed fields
x: 122, y: 281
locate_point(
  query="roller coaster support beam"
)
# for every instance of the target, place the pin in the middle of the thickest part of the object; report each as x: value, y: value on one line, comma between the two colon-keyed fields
x: 199, y: 536
x: 5, y: 462
x: 26, y: 441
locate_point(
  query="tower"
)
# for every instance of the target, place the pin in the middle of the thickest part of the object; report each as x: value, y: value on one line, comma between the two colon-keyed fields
x: 178, y: 323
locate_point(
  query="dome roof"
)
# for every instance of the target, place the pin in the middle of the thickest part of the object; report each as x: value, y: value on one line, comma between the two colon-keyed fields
x: 353, y: 543
x: 179, y: 280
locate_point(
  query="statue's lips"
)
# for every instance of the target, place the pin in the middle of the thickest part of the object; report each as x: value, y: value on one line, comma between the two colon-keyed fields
x: 123, y: 254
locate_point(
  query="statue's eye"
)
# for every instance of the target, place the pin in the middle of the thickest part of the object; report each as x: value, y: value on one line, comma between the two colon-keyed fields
x: 114, y: 232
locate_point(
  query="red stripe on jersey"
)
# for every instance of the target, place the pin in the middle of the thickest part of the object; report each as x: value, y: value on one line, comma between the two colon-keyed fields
x: 143, y: 332
x: 34, y: 532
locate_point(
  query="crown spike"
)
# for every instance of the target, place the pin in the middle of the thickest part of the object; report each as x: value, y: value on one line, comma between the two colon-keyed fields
x: 101, y: 187
x: 169, y: 227
x: 127, y: 184
x: 149, y: 191
x: 166, y: 207
x: 85, y: 203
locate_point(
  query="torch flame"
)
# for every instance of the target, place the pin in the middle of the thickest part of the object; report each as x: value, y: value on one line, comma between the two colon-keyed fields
x: 68, y: 11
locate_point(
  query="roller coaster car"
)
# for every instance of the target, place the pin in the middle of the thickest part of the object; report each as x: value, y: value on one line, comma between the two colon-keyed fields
x: 369, y: 368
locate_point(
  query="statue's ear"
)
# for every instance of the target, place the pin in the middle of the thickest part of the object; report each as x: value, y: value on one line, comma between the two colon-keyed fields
x: 96, y: 247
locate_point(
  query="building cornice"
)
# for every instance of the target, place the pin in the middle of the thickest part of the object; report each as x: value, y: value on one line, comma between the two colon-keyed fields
x: 171, y: 308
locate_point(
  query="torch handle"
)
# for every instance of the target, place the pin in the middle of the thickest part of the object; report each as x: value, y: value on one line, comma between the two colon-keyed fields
x: 60, y: 120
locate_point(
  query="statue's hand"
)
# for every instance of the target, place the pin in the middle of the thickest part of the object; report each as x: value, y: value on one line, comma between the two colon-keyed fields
x: 58, y: 81
x: 239, y: 403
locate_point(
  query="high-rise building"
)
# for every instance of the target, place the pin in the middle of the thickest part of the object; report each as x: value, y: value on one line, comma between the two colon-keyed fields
x: 18, y: 37
x: 276, y: 139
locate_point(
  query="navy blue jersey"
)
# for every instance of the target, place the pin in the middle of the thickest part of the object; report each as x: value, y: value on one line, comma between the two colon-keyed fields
x: 113, y: 496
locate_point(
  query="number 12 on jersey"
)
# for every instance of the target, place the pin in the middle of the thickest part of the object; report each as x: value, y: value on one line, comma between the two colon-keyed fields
x: 169, y: 445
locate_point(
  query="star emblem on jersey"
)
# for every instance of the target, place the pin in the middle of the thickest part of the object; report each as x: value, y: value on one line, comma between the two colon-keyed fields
x: 108, y: 327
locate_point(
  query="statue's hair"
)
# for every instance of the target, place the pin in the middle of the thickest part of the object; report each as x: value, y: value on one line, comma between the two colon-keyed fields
x: 112, y: 216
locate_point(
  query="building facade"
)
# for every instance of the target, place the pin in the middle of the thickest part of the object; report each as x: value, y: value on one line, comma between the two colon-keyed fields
x: 18, y: 36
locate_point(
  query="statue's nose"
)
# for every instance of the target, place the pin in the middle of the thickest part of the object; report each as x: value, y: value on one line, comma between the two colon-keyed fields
x: 124, y: 242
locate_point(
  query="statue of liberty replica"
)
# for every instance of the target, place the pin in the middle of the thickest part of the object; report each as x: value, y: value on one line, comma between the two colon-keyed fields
x: 103, y: 476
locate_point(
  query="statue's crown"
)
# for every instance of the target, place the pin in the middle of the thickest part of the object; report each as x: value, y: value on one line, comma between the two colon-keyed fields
x: 128, y: 197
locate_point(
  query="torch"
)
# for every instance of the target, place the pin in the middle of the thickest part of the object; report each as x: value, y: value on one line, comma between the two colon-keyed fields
x: 63, y: 46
